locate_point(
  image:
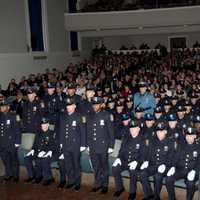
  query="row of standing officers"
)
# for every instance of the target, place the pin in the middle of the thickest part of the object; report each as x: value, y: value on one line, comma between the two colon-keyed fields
x: 160, y: 153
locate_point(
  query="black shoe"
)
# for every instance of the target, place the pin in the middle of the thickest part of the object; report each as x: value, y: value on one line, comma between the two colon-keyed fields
x: 104, y: 190
x: 156, y: 198
x: 132, y: 196
x: 8, y: 178
x: 77, y: 187
x: 70, y: 186
x: 62, y: 184
x: 118, y: 193
x: 47, y: 182
x: 16, y: 179
x: 149, y: 197
x: 38, y: 180
x: 96, y: 189
x: 30, y: 179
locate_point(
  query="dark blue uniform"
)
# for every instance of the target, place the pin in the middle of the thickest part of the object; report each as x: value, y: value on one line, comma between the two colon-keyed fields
x: 100, y: 137
x: 44, y: 141
x: 160, y: 152
x: 72, y: 135
x: 31, y: 116
x: 187, y: 158
x: 132, y: 149
x: 10, y: 136
x: 52, y: 107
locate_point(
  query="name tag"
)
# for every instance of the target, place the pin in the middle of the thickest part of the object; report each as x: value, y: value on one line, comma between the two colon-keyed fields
x: 102, y: 123
x: 74, y: 123
x: 34, y: 108
x: 8, y: 122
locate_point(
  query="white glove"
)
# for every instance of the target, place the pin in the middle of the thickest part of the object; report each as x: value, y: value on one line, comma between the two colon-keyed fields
x: 82, y: 149
x: 61, y: 146
x: 110, y: 150
x: 117, y: 162
x: 88, y: 149
x: 61, y: 157
x: 41, y: 154
x: 48, y: 154
x: 133, y: 165
x: 30, y: 153
x: 144, y: 165
x: 191, y: 175
x: 17, y: 145
x: 171, y: 172
x: 162, y: 168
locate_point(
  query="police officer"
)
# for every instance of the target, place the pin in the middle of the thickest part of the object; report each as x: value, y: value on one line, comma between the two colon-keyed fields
x: 100, y: 140
x: 174, y: 132
x: 72, y: 135
x: 10, y: 140
x: 32, y: 112
x: 51, y: 104
x: 149, y: 127
x: 131, y: 155
x: 144, y: 99
x: 43, y: 152
x: 160, y: 155
x: 185, y: 165
x: 71, y: 93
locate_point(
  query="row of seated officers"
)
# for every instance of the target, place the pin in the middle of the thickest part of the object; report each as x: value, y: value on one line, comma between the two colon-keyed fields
x: 161, y: 149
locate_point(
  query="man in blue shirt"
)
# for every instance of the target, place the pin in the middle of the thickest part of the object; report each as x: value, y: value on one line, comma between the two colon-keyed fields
x: 144, y: 99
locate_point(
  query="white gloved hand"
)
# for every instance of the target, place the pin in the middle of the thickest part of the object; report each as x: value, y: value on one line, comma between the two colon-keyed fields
x: 144, y: 165
x: 133, y: 165
x: 41, y: 154
x: 171, y: 172
x: 17, y: 145
x: 162, y: 168
x: 110, y: 150
x: 30, y: 153
x: 191, y: 175
x: 61, y: 146
x: 48, y: 154
x: 117, y: 162
x: 82, y: 149
x: 61, y: 157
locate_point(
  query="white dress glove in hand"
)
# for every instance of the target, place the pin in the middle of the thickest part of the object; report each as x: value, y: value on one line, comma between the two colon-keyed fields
x: 17, y: 145
x: 117, y: 162
x: 61, y: 157
x: 133, y: 165
x: 162, y: 168
x: 110, y: 150
x: 82, y: 149
x: 41, y: 154
x: 191, y: 175
x: 48, y: 154
x: 30, y: 153
x: 171, y: 172
x: 144, y: 165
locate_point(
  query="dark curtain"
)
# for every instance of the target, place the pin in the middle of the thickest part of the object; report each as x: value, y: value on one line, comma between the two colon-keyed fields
x: 35, y: 15
x: 73, y: 34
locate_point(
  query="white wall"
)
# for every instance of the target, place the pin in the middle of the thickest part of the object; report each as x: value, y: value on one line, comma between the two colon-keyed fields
x: 58, y: 37
x: 12, y: 26
x: 115, y: 42
x: 17, y: 65
x: 14, y: 59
